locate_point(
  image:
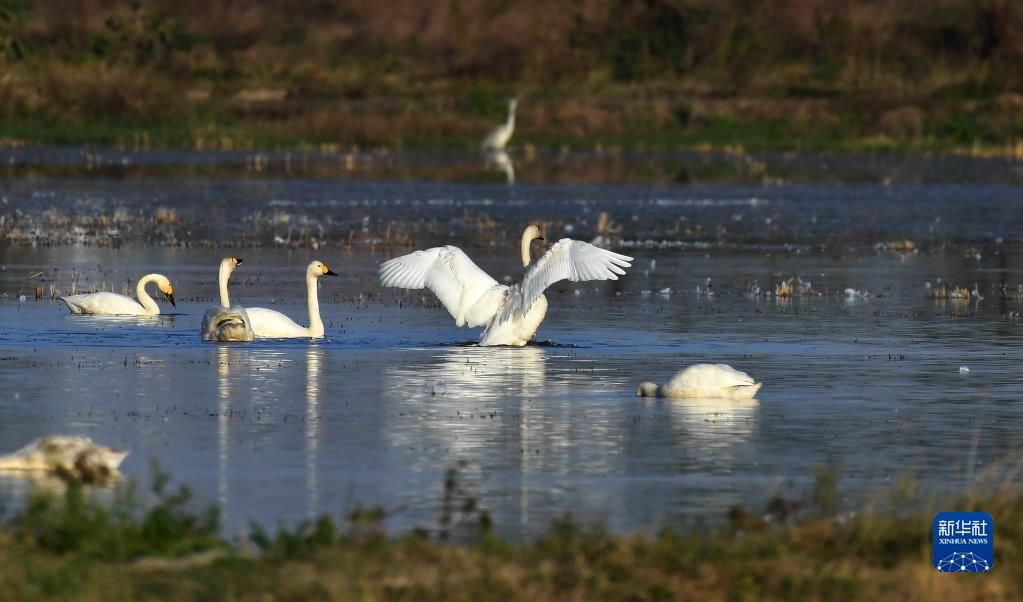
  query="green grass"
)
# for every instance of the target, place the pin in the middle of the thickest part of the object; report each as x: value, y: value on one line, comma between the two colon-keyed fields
x: 76, y: 547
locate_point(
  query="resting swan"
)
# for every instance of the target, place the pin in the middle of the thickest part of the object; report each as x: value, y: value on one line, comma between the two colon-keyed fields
x: 66, y: 455
x: 270, y: 324
x: 719, y: 381
x: 511, y: 314
x: 226, y: 323
x: 112, y: 304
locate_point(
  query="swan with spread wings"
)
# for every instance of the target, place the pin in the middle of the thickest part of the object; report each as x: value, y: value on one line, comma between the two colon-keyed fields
x: 510, y: 314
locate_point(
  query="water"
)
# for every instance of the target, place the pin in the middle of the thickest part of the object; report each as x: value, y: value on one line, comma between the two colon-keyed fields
x: 395, y: 395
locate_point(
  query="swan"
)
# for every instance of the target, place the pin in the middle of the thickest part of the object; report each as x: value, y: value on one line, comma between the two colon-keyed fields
x: 112, y: 304
x: 500, y: 135
x: 511, y: 314
x: 226, y: 323
x: 267, y: 323
x: 719, y: 381
x: 66, y: 455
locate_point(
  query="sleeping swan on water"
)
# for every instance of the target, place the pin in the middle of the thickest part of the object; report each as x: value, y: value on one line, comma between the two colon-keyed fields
x: 226, y: 323
x: 66, y: 455
x: 511, y: 314
x: 719, y: 381
x: 112, y: 304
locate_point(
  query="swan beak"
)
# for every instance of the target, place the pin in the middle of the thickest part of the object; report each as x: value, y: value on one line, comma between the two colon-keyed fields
x: 237, y: 260
x: 330, y: 272
x: 170, y: 297
x: 539, y: 238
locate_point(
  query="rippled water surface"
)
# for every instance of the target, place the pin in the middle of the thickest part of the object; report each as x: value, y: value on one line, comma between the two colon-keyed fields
x: 867, y: 382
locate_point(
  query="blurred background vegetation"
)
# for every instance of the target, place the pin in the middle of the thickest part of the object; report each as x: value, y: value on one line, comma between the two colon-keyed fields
x: 783, y: 74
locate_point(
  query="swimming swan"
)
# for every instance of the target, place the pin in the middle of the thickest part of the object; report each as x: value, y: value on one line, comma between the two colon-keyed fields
x: 500, y: 135
x: 226, y: 323
x: 511, y: 314
x: 66, y: 455
x: 112, y: 304
x: 719, y: 381
x: 267, y: 323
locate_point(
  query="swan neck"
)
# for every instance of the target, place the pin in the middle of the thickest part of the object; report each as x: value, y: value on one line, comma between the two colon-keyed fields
x: 225, y: 275
x: 525, y: 249
x: 315, y: 323
x: 144, y: 299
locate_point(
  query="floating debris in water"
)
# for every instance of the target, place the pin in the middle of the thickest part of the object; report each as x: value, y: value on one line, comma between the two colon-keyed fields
x: 964, y: 370
x: 897, y: 246
x: 793, y: 287
x: 946, y: 291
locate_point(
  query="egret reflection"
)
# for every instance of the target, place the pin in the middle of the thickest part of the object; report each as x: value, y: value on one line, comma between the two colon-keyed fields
x: 501, y: 161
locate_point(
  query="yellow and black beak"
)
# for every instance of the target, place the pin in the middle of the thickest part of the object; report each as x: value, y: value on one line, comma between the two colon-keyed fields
x: 329, y: 272
x: 237, y: 260
x: 170, y: 297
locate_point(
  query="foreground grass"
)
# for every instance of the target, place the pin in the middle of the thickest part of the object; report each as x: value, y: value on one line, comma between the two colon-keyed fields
x: 72, y: 547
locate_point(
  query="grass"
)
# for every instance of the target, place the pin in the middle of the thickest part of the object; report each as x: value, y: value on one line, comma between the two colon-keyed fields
x: 76, y: 547
x: 686, y: 74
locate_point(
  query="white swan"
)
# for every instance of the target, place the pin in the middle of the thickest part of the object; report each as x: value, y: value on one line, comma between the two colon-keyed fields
x: 226, y: 323
x: 112, y: 304
x: 511, y: 314
x: 66, y: 455
x: 500, y: 135
x: 267, y: 323
x: 719, y: 381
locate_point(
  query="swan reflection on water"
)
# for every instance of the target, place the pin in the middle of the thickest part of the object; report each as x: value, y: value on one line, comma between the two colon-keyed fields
x: 263, y: 376
x: 711, y: 431
x: 313, y: 365
x: 449, y: 378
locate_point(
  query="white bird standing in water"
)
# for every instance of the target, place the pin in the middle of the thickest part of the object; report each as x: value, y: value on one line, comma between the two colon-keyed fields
x: 500, y: 135
x: 511, y: 314
x: 270, y: 324
x: 703, y: 381
x: 112, y: 304
x: 226, y: 323
x: 67, y: 456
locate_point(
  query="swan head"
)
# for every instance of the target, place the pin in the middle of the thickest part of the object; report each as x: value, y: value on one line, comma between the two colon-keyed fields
x: 646, y: 389
x: 318, y: 268
x: 165, y: 287
x: 531, y: 233
x: 513, y: 103
x: 230, y: 263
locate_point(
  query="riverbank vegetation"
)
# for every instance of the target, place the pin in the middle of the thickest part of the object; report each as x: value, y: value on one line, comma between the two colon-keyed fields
x: 932, y: 76
x: 78, y: 545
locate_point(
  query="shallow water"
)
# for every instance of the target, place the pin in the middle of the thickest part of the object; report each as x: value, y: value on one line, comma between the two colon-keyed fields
x: 395, y: 395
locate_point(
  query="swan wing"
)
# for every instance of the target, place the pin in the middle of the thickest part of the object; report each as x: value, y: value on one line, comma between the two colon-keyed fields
x: 104, y: 303
x: 272, y: 324
x: 448, y: 272
x: 567, y: 259
x: 231, y: 324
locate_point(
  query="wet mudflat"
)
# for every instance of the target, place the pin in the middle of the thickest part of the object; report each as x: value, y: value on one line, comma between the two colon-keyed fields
x: 866, y: 381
